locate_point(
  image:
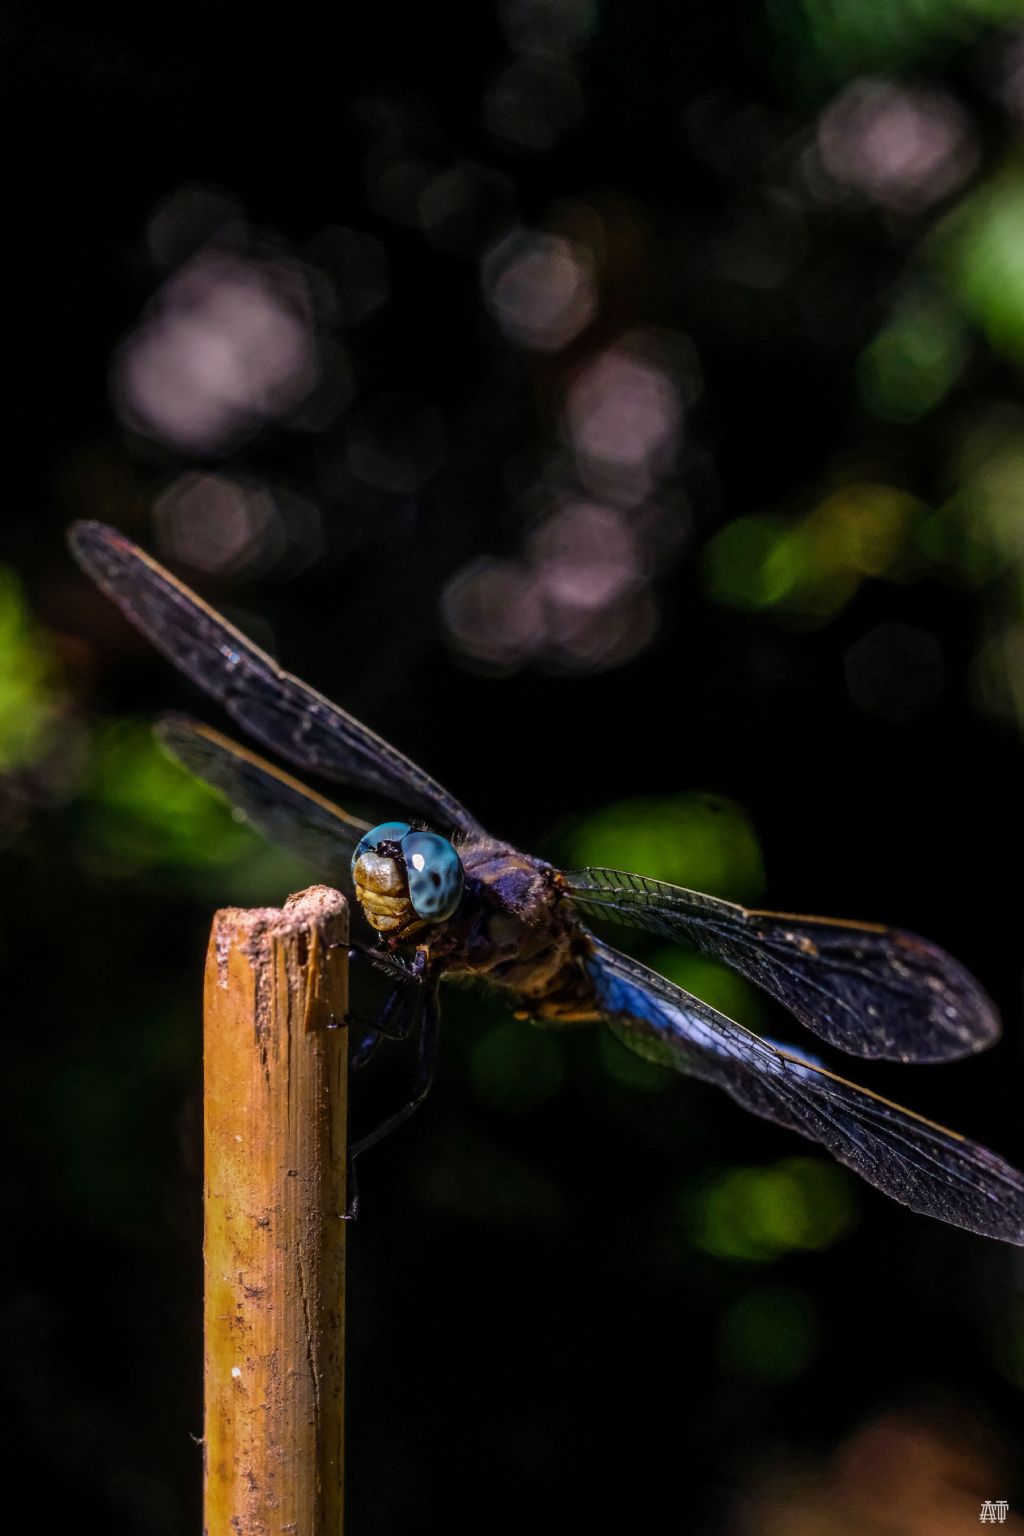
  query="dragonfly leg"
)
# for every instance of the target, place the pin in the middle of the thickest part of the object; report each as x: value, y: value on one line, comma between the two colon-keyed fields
x: 408, y: 975
x: 428, y: 1016
x: 413, y: 1002
x: 364, y: 1049
x: 376, y: 958
x: 405, y: 1000
x: 393, y: 1021
x: 351, y: 1210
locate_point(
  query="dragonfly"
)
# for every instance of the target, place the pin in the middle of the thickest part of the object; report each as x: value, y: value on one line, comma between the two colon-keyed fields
x: 448, y: 902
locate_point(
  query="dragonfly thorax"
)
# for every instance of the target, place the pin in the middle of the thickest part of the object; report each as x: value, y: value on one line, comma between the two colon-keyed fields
x: 406, y: 879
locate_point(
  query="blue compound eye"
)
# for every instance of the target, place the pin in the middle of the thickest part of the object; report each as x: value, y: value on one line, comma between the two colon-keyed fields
x: 435, y: 876
x: 387, y: 832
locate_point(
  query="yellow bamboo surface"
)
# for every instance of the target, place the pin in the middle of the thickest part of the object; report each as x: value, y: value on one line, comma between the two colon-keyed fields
x: 275, y: 1128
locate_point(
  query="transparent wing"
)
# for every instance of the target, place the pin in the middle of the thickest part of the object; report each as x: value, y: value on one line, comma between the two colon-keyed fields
x: 277, y: 709
x: 918, y: 1163
x: 285, y: 811
x: 876, y: 992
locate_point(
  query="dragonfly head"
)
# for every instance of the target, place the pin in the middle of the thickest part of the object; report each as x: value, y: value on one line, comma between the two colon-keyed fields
x: 405, y: 879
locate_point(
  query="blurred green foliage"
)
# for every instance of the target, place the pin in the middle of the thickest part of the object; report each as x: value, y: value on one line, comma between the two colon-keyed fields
x: 769, y: 1332
x: 515, y: 1068
x: 704, y: 842
x: 29, y: 687
x: 982, y: 246
x: 809, y: 566
x: 629, y: 1070
x: 915, y: 358
x: 759, y: 1214
x: 144, y: 815
x: 830, y: 40
x: 715, y: 983
x: 147, y: 810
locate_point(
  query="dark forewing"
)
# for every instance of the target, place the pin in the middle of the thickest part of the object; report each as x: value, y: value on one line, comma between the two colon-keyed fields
x: 920, y: 1164
x: 877, y: 992
x: 285, y: 811
x: 274, y: 707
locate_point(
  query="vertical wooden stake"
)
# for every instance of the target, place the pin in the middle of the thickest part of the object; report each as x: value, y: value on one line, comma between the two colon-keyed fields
x: 275, y: 1129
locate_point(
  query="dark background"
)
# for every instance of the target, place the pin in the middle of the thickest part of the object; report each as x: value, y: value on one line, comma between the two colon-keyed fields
x: 571, y: 1297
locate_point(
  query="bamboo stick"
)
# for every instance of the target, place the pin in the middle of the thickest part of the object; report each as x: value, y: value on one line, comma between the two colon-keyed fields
x: 275, y: 1128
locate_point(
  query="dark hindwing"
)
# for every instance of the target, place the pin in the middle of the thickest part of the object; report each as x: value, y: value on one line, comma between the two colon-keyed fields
x: 279, y: 710
x: 922, y: 1165
x: 278, y: 806
x: 876, y: 992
